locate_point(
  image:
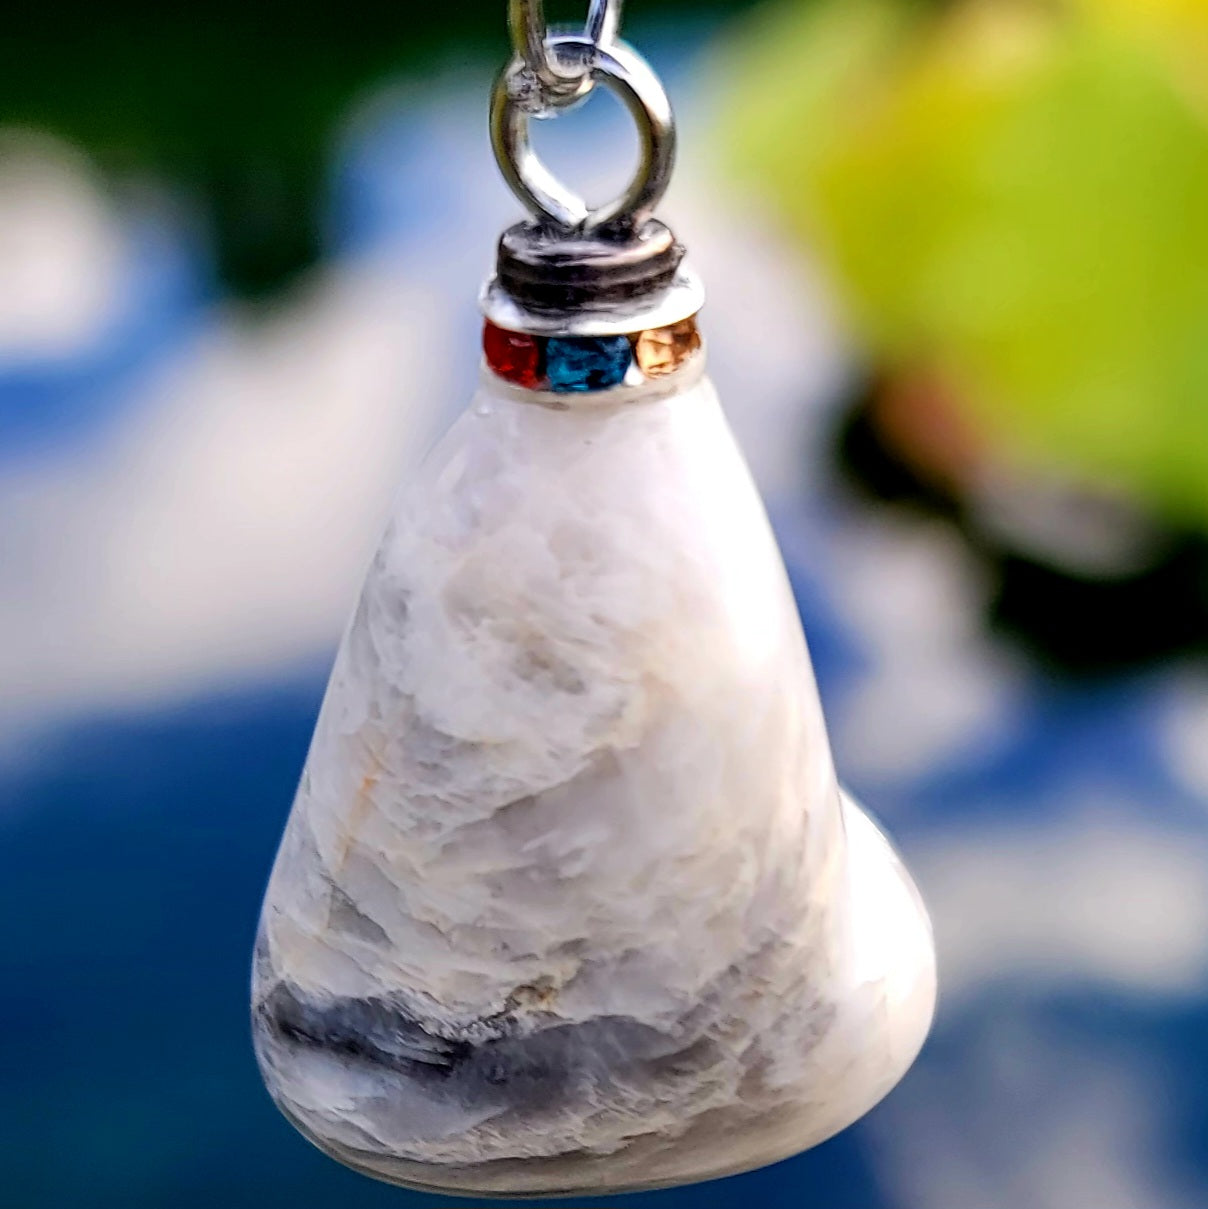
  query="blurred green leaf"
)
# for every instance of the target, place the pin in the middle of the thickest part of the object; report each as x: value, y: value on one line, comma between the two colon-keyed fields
x: 1018, y: 195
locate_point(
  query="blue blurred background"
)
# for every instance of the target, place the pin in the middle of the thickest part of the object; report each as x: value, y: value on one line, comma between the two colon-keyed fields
x: 239, y: 256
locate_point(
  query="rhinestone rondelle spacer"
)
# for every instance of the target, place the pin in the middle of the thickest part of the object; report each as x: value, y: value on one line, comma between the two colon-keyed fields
x: 582, y: 364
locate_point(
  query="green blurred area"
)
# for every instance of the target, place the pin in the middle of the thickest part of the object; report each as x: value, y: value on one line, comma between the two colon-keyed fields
x: 237, y: 102
x: 1012, y: 196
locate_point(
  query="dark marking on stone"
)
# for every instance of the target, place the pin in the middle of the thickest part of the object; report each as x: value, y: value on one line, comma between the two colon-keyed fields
x: 367, y: 1029
x: 531, y: 1071
x: 343, y: 916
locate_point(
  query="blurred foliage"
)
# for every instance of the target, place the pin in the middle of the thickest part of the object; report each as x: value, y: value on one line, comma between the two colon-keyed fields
x: 1013, y: 195
x: 236, y: 100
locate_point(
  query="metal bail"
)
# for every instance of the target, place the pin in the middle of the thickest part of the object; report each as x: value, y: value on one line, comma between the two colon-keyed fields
x: 617, y: 66
x: 573, y: 269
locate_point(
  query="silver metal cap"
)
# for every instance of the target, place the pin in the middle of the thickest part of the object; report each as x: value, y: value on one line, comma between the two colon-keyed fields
x: 553, y: 282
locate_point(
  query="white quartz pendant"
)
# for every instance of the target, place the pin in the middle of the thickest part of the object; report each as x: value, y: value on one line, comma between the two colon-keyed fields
x: 570, y: 900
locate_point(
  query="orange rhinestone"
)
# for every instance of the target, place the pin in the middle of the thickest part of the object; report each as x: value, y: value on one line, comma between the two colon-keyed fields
x: 662, y: 350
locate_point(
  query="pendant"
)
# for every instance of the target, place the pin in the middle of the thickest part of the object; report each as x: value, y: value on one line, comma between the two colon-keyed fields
x: 570, y: 900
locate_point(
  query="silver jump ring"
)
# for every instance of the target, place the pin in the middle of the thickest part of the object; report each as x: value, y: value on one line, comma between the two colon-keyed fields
x: 530, y: 34
x: 636, y: 85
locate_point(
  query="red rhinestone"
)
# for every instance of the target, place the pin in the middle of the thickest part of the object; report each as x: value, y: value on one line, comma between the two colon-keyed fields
x: 513, y: 355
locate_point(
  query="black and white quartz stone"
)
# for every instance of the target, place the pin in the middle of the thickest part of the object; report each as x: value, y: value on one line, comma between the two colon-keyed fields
x: 570, y: 899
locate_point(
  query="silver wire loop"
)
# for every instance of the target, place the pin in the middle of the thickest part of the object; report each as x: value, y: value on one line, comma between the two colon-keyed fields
x: 622, y: 69
x: 560, y: 82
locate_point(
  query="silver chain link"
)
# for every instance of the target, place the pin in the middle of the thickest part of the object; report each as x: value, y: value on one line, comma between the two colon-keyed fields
x: 557, y: 82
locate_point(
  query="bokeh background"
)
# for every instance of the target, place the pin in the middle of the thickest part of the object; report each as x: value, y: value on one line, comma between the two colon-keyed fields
x: 958, y: 263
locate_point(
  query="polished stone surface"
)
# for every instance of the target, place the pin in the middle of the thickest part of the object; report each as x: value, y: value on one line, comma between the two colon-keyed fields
x: 569, y: 899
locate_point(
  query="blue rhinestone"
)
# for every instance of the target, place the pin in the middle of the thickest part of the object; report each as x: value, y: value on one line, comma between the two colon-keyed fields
x: 578, y: 363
